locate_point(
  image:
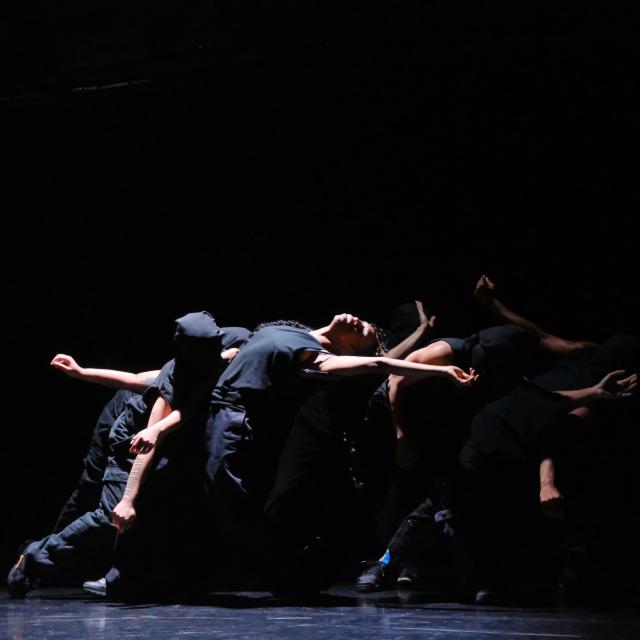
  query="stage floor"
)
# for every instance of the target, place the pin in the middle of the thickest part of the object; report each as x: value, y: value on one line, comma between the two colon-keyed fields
x: 341, y: 613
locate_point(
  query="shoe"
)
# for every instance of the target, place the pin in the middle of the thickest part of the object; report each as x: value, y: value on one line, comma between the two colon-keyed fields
x: 409, y: 577
x: 374, y: 577
x: 485, y: 596
x: 96, y: 587
x: 18, y: 583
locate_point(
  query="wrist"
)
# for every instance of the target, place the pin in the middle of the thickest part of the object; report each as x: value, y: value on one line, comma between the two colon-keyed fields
x: 595, y: 392
x: 546, y: 481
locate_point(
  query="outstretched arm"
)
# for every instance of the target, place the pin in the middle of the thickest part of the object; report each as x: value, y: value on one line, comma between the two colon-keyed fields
x: 485, y: 294
x: 348, y: 366
x: 136, y: 382
x: 425, y: 324
x: 613, y: 386
x: 124, y: 513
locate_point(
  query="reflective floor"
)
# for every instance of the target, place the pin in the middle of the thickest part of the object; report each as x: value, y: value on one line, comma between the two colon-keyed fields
x: 340, y: 613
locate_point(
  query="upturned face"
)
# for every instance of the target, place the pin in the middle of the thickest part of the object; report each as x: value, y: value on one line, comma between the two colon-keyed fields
x: 356, y: 336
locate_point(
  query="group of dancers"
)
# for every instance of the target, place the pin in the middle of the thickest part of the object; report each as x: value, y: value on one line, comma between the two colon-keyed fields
x: 275, y: 443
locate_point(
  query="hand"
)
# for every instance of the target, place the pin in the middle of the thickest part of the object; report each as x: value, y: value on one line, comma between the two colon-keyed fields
x: 425, y: 322
x: 67, y: 365
x: 144, y: 441
x: 484, y: 291
x: 229, y: 354
x: 584, y: 344
x: 123, y: 516
x: 616, y: 385
x: 459, y: 377
x: 551, y: 501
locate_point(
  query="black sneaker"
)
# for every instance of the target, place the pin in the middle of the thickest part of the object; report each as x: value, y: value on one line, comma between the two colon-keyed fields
x: 96, y: 587
x: 17, y: 581
x: 375, y: 577
x: 408, y: 577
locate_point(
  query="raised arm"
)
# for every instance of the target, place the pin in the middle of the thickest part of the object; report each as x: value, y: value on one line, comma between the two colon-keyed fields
x: 425, y: 324
x: 485, y: 294
x: 136, y: 382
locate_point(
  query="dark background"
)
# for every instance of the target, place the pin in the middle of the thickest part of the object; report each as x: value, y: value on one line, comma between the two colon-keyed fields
x: 295, y: 161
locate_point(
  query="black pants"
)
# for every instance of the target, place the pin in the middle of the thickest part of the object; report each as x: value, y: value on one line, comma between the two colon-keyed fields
x: 86, y: 495
x: 80, y: 541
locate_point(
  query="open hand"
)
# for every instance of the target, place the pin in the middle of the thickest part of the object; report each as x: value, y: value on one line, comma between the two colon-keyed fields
x: 617, y: 384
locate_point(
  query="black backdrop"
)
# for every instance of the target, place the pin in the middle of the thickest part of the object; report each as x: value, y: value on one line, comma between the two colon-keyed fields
x: 295, y: 161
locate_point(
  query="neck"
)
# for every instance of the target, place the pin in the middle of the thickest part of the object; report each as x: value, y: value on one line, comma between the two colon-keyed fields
x: 323, y: 336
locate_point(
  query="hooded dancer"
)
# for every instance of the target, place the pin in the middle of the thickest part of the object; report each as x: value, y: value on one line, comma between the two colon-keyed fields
x: 145, y: 421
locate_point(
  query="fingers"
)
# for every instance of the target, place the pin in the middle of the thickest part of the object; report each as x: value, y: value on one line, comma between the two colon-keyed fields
x: 141, y: 447
x: 121, y: 523
x: 116, y: 521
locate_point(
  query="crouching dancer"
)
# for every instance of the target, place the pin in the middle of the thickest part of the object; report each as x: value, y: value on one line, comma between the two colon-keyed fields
x: 145, y: 421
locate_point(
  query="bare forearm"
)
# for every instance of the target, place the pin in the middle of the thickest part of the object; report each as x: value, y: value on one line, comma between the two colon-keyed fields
x: 138, y: 473
x: 403, y: 349
x: 556, y: 401
x: 506, y: 315
x: 356, y: 365
x: 547, y: 472
x: 168, y: 423
x: 548, y: 341
x: 136, y: 382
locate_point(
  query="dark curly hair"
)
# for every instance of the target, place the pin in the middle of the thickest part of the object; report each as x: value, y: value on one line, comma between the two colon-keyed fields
x: 379, y: 332
x: 282, y: 323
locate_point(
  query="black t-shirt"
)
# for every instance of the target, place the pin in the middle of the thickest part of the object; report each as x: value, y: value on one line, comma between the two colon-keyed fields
x: 501, y: 355
x: 267, y: 366
x: 133, y: 418
x: 438, y: 414
x: 176, y: 386
x: 511, y: 428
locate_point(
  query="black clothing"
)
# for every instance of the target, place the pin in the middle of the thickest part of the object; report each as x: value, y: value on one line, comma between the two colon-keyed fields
x: 252, y: 409
x: 234, y: 337
x: 437, y: 417
x: 263, y: 382
x: 86, y: 495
